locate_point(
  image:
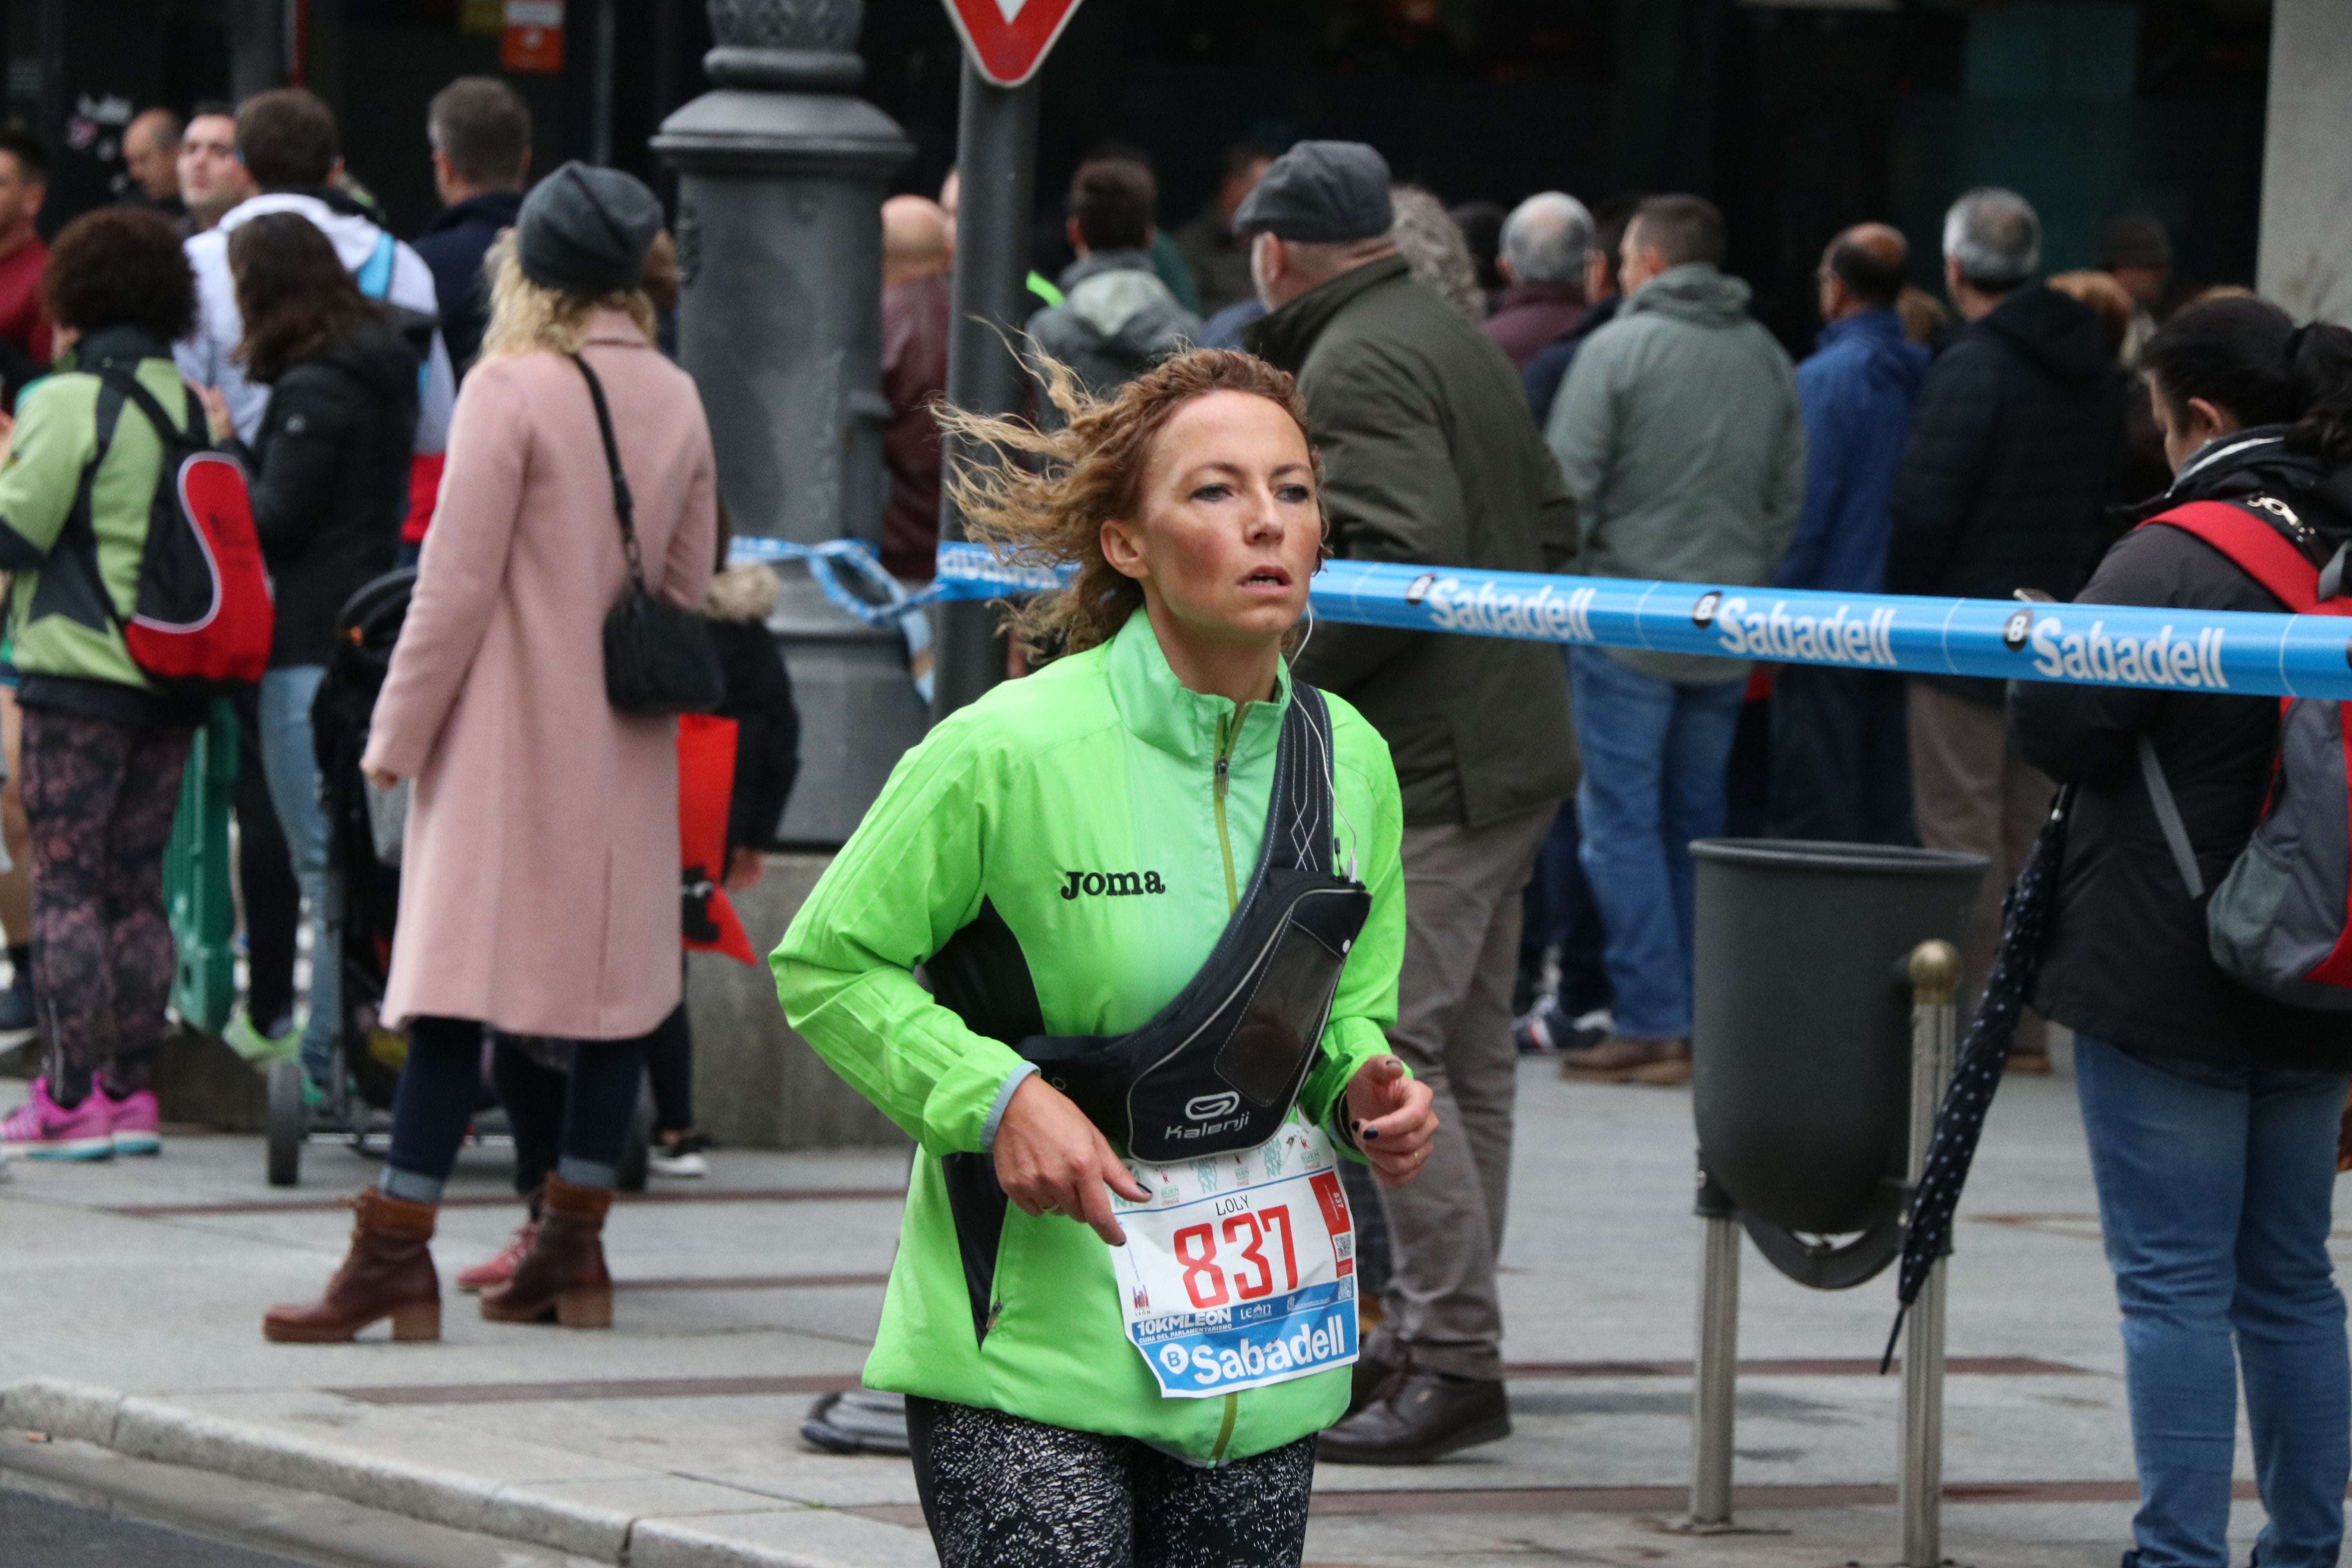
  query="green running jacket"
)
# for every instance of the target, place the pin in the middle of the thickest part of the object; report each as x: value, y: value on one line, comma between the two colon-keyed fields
x: 1113, y: 818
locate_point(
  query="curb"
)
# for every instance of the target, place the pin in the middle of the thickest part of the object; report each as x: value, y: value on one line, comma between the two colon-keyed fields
x: 145, y: 1429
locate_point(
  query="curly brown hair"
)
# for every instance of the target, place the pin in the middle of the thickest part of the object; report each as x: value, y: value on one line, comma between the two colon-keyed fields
x: 121, y: 266
x: 293, y: 292
x: 1040, y: 498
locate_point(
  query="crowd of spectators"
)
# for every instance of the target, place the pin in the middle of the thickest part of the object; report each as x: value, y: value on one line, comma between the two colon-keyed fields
x: 1558, y: 386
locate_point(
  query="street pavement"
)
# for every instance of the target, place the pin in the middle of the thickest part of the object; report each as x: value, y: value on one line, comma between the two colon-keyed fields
x: 45, y: 1533
x: 132, y: 1293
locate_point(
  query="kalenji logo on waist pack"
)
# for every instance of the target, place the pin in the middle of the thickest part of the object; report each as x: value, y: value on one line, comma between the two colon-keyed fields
x: 1112, y: 884
x: 1208, y: 1107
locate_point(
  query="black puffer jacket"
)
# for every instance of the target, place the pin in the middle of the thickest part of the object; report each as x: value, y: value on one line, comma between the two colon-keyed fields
x: 330, y: 470
x: 2128, y: 961
x: 2013, y: 452
x: 759, y: 698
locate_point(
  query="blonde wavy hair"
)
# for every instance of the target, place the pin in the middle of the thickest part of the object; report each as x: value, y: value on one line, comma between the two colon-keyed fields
x: 1040, y: 498
x: 526, y: 317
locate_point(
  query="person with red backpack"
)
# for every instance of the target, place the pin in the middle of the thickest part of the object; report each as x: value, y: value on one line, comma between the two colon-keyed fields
x: 2214, y: 1093
x: 103, y: 744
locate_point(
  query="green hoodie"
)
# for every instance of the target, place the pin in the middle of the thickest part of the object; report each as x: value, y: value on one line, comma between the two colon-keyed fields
x: 1679, y: 435
x: 1102, y: 762
x: 74, y: 553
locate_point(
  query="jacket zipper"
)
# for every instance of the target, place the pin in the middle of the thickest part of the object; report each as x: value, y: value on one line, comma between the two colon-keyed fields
x: 1228, y: 731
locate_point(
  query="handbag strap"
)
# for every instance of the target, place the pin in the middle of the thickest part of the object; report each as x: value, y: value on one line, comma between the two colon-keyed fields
x: 623, y: 506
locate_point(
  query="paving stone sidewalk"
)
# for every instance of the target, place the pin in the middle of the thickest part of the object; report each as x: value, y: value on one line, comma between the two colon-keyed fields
x: 132, y: 1294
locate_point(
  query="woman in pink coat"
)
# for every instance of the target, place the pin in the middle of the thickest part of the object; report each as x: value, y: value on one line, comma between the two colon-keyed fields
x: 539, y: 883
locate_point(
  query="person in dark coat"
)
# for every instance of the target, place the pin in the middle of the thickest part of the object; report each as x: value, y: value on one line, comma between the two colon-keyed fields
x: 1547, y: 248
x: 1428, y: 455
x: 329, y: 484
x: 1218, y: 257
x: 481, y: 130
x: 917, y: 310
x: 1547, y: 373
x: 2011, y: 455
x: 2213, y: 1114
x: 1839, y: 771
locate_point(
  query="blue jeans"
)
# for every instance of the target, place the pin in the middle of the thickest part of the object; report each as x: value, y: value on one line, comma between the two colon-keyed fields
x: 2215, y: 1186
x: 291, y: 766
x: 582, y: 1125
x: 1654, y: 758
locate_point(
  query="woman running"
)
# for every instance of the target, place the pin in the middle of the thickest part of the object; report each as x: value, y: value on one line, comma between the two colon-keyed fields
x: 1117, y: 1331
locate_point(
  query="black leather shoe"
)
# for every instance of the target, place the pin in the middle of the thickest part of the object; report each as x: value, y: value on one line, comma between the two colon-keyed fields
x: 1419, y: 1417
x: 1368, y: 1379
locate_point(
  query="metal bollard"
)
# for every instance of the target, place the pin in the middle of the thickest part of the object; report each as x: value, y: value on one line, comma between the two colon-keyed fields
x: 1934, y: 983
x: 1717, y: 1362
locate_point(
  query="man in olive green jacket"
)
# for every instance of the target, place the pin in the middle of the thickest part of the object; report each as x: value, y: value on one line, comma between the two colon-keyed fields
x: 1429, y: 455
x: 1679, y: 434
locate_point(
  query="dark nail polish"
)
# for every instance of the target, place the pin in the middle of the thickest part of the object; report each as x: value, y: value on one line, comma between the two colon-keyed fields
x: 1370, y: 1131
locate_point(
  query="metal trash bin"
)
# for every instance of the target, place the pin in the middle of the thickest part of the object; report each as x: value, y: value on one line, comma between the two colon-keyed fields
x: 1800, y: 1042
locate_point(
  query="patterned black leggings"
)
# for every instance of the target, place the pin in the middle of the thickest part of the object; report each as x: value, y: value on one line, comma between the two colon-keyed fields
x: 99, y: 796
x: 1000, y: 1491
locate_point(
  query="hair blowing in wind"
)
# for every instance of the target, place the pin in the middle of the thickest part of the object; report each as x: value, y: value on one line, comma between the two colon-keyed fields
x: 1040, y: 498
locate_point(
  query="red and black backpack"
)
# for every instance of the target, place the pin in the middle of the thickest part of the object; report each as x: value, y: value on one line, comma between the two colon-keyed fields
x: 203, y: 618
x: 2281, y: 920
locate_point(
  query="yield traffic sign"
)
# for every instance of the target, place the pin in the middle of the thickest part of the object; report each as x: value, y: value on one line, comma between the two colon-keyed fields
x: 1008, y: 39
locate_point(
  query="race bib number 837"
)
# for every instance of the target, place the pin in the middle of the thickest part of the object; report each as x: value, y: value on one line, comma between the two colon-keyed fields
x: 1240, y: 1272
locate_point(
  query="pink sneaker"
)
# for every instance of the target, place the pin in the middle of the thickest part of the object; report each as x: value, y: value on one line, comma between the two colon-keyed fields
x: 41, y: 1129
x: 500, y: 1270
x: 137, y: 1121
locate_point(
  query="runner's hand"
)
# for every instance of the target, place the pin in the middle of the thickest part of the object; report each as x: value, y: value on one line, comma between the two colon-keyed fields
x: 1050, y: 1160
x: 1391, y: 1116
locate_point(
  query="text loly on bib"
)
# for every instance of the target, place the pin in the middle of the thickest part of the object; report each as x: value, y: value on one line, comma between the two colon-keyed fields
x: 1241, y: 1271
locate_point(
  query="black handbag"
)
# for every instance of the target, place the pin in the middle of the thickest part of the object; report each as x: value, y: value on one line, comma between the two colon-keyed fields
x: 658, y: 658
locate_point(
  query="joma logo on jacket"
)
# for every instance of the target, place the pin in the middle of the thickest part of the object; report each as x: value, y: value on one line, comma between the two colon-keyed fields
x: 1112, y: 884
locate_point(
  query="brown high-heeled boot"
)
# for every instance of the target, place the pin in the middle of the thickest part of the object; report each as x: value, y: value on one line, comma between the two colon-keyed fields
x: 562, y: 1277
x: 388, y: 1273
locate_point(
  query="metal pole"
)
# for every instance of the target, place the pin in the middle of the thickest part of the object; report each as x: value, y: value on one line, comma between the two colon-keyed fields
x: 996, y: 157
x: 1718, y: 1368
x: 1935, y: 982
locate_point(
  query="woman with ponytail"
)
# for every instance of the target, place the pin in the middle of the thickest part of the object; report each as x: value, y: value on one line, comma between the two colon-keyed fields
x: 2213, y: 1113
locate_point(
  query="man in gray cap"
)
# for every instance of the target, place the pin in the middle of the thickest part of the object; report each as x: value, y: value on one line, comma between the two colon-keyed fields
x: 1429, y: 455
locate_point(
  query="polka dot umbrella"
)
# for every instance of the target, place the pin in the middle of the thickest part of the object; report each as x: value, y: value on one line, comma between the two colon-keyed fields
x: 2025, y: 918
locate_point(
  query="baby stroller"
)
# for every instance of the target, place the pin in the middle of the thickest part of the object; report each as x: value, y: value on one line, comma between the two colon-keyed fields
x: 363, y: 866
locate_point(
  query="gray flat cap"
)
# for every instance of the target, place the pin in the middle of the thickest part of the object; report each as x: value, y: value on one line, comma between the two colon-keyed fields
x: 1324, y: 193
x: 585, y: 230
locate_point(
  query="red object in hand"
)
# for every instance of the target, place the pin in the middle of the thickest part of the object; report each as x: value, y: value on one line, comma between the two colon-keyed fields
x: 423, y: 495
x: 706, y: 789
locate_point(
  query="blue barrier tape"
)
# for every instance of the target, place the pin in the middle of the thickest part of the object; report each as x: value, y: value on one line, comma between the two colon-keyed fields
x: 2103, y: 644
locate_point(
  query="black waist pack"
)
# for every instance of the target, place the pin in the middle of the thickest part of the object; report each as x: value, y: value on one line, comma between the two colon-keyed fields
x: 1218, y: 1069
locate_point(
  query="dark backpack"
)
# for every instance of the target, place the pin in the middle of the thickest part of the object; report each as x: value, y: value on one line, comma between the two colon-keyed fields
x: 203, y: 618
x: 2281, y: 921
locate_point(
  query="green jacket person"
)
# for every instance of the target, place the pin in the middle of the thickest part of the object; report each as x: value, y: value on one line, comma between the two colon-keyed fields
x: 1108, y: 811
